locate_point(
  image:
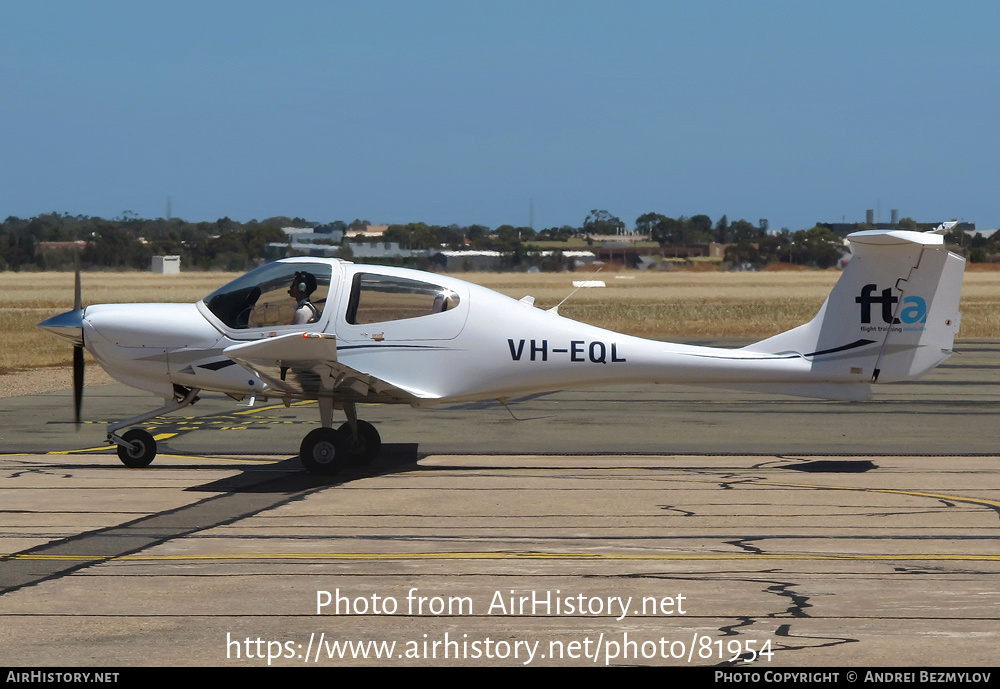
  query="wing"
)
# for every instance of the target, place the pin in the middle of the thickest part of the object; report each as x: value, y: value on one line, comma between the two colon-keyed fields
x: 305, y: 365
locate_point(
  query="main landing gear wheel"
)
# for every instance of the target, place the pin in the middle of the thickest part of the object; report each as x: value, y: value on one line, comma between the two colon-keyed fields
x: 140, y: 451
x: 365, y: 447
x: 323, y: 451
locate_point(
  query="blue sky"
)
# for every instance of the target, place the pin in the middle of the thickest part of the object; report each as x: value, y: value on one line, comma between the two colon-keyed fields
x: 476, y: 112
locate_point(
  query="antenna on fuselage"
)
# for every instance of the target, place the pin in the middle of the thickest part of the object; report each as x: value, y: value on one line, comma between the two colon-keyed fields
x: 555, y: 309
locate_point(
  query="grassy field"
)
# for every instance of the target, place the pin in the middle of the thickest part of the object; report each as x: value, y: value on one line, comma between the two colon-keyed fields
x: 674, y: 305
x: 28, y: 298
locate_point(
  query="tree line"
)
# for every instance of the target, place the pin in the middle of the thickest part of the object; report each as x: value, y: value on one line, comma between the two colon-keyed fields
x: 40, y: 243
x: 131, y: 242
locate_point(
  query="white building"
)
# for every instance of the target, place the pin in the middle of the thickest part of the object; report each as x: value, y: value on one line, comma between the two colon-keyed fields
x: 166, y: 265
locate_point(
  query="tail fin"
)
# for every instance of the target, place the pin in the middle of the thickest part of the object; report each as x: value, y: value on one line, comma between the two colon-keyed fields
x: 892, y: 315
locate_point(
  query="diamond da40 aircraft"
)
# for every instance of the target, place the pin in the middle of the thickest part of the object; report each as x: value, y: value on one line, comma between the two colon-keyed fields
x: 346, y: 334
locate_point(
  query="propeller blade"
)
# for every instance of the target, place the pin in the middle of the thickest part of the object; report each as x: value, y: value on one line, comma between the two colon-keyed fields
x: 77, y: 294
x: 77, y: 382
x: 77, y: 349
x: 69, y: 326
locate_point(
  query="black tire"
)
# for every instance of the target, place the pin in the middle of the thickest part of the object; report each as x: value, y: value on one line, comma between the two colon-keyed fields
x: 323, y: 452
x: 367, y: 445
x: 141, y: 453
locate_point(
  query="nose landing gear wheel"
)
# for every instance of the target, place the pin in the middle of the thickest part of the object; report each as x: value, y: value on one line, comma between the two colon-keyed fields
x: 323, y: 451
x: 365, y: 447
x: 141, y: 449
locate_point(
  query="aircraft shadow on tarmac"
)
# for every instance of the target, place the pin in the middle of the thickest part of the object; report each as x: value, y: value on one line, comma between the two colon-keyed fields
x: 249, y: 492
x: 833, y: 466
x: 403, y: 457
x: 393, y: 458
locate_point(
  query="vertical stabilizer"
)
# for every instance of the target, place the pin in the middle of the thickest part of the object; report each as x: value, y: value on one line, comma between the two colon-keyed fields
x: 893, y: 314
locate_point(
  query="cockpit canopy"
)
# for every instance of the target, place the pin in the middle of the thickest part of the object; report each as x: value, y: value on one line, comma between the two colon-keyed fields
x: 261, y: 299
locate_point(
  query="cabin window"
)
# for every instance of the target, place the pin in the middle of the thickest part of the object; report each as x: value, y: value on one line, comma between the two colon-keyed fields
x: 261, y: 299
x: 380, y: 298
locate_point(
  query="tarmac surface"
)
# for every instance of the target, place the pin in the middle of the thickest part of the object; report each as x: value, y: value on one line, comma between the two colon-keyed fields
x: 626, y: 525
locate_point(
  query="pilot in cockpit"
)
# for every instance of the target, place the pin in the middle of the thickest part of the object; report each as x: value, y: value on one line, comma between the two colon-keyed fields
x: 302, y: 287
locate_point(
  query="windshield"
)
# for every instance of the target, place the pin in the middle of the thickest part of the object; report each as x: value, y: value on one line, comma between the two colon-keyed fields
x: 277, y: 294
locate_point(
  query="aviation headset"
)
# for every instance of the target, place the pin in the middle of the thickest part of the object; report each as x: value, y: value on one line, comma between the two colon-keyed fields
x: 306, y: 282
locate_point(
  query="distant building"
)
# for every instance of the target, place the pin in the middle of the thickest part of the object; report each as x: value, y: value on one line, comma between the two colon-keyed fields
x: 383, y: 250
x: 468, y: 260
x: 166, y: 265
x: 580, y: 258
x: 627, y: 236
x: 716, y: 250
x: 322, y: 241
x: 372, y: 231
x: 473, y: 260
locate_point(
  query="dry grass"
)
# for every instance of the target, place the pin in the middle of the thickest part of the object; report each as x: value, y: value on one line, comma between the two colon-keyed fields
x: 28, y: 298
x: 670, y: 305
x: 678, y: 304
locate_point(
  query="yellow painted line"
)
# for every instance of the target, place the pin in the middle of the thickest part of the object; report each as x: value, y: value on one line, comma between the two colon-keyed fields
x: 166, y: 436
x: 110, y: 448
x: 235, y: 460
x: 890, y: 491
x: 748, y: 481
x: 85, y: 449
x: 158, y: 436
x: 855, y: 557
x: 272, y: 407
x: 743, y: 481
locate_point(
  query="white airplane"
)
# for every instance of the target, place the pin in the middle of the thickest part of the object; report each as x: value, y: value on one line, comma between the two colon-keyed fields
x: 346, y: 334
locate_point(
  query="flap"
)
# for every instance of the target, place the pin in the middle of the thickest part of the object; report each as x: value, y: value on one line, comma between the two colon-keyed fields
x: 305, y: 365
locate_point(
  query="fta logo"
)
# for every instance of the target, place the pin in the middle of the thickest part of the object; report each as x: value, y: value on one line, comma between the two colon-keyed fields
x: 914, y: 308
